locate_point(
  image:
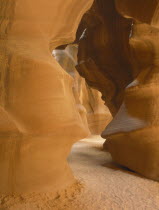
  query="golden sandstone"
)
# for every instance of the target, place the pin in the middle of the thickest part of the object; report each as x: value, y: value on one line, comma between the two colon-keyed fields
x: 41, y: 116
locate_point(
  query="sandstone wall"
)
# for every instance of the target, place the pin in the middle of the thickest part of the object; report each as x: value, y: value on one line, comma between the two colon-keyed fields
x: 93, y: 112
x: 41, y: 121
x: 118, y: 55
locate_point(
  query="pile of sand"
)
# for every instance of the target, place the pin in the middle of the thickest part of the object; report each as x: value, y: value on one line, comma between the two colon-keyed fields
x: 42, y: 201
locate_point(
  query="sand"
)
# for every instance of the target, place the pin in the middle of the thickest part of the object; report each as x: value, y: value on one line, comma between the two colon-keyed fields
x: 101, y: 185
x: 108, y: 186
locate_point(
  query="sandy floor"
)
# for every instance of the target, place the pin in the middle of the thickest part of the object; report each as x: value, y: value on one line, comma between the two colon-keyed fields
x: 105, y: 186
x: 108, y: 186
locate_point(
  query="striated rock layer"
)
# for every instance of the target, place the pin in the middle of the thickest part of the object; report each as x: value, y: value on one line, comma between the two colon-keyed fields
x: 39, y: 119
x: 118, y: 55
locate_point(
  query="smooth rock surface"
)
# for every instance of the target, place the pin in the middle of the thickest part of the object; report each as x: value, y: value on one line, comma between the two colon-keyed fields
x: 36, y: 95
x: 118, y: 55
x: 94, y: 114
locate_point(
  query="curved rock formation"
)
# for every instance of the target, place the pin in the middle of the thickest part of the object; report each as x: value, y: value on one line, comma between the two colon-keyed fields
x: 104, y: 53
x: 98, y: 115
x: 132, y: 135
x: 118, y: 55
x: 94, y: 114
x: 67, y: 58
x: 36, y: 94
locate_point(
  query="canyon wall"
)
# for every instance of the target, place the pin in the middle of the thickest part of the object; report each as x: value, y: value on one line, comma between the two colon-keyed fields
x: 98, y: 115
x: 94, y: 114
x: 118, y: 55
x: 39, y: 117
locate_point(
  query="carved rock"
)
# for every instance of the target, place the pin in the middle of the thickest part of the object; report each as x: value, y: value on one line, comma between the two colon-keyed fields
x: 98, y: 115
x: 36, y: 95
x: 93, y: 112
x: 118, y: 55
x: 104, y: 52
x: 132, y: 135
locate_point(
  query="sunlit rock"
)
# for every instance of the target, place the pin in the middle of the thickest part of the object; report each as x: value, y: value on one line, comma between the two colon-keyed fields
x: 94, y: 114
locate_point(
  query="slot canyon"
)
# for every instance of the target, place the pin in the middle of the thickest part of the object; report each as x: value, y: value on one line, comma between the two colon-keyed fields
x: 78, y: 105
